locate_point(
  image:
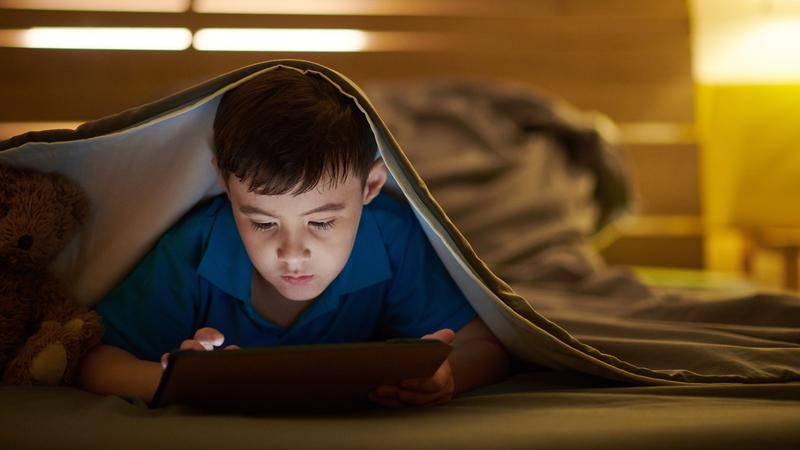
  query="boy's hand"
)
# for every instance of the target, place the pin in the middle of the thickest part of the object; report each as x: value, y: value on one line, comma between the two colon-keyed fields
x: 204, y: 339
x: 437, y: 389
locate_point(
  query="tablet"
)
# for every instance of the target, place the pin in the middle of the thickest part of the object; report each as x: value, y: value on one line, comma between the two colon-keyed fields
x: 294, y: 378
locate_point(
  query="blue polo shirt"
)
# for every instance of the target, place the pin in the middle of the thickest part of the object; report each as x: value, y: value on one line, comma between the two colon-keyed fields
x: 198, y: 275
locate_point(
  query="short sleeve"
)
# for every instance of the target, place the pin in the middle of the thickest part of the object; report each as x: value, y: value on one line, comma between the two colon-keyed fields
x: 422, y: 298
x: 152, y: 310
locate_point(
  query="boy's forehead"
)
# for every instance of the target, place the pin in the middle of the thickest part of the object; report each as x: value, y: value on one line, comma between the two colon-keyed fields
x: 328, y: 194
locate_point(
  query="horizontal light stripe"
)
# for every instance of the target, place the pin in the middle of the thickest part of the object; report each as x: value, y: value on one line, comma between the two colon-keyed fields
x: 667, y: 133
x: 99, y: 5
x: 227, y: 39
x: 317, y: 40
x: 276, y: 39
x: 660, y: 225
x: 98, y: 38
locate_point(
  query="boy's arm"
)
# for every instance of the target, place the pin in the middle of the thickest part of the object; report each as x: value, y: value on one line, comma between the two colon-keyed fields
x: 478, y: 358
x: 110, y: 370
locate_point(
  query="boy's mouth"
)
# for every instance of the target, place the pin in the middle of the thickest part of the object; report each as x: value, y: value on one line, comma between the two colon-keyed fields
x: 302, y: 279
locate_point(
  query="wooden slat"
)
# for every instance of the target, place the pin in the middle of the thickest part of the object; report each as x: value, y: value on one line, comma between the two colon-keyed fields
x: 541, y: 24
x: 483, y: 8
x: 625, y: 58
x: 574, y: 9
x: 654, y: 250
x: 665, y: 178
x: 64, y: 84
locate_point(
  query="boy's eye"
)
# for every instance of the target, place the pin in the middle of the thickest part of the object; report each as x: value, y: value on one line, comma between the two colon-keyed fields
x: 262, y: 226
x: 322, y: 225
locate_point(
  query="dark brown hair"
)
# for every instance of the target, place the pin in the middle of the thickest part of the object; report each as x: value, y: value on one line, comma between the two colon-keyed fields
x: 283, y: 130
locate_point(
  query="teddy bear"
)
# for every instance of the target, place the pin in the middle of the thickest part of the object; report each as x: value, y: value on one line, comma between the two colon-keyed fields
x: 43, y: 330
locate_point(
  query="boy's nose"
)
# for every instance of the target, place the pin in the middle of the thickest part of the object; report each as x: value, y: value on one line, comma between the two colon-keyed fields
x: 293, y: 250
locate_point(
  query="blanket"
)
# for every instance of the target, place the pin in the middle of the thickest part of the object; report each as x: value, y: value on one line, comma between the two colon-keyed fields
x: 548, y: 299
x: 528, y: 179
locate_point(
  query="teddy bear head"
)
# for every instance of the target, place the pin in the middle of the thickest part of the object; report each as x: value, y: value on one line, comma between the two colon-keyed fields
x: 38, y: 214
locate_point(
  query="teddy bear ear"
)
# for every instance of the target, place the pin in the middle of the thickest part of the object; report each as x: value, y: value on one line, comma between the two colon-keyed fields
x: 72, y: 194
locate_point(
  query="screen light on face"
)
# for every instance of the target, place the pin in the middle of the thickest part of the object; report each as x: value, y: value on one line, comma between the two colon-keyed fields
x: 287, y: 40
x: 98, y: 38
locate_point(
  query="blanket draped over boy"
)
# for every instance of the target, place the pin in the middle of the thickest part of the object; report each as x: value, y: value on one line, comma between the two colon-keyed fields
x: 507, y: 186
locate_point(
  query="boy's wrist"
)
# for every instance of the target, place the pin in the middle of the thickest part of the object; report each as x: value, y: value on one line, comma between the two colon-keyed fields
x: 109, y: 370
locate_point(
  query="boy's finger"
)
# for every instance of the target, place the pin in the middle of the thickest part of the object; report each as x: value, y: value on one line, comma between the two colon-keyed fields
x: 421, y: 385
x: 191, y: 344
x: 436, y: 382
x: 209, y: 337
x: 164, y: 359
x: 419, y: 398
x: 445, y: 335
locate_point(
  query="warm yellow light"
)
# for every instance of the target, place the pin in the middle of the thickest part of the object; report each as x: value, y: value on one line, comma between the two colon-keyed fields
x: 764, y: 52
x: 98, y: 38
x: 99, y: 5
x: 276, y: 39
x: 747, y: 41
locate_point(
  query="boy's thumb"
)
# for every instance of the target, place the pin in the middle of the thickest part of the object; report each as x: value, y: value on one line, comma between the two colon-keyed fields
x: 445, y: 335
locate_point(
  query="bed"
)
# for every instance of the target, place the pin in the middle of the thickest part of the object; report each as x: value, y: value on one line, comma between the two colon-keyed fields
x: 535, y: 409
x: 602, y: 359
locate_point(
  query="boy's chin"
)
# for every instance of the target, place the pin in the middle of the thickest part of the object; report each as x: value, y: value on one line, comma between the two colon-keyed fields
x: 300, y: 294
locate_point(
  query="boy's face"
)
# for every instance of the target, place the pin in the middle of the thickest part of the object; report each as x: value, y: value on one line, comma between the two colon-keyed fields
x: 300, y: 243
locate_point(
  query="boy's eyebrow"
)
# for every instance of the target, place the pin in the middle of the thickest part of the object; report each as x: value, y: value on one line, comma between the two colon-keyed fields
x: 247, y: 209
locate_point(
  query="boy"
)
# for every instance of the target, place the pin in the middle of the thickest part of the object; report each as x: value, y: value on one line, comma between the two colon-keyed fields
x: 301, y: 248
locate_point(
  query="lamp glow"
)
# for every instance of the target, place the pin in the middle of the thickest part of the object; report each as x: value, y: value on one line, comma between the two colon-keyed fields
x: 277, y: 39
x: 747, y: 41
x: 98, y: 38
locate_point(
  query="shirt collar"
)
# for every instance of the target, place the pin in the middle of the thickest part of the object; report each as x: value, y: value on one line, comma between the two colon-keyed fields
x: 368, y: 263
x: 227, y: 266
x: 225, y: 263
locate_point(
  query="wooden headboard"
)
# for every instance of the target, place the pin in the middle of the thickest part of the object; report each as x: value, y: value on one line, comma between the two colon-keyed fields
x: 626, y: 58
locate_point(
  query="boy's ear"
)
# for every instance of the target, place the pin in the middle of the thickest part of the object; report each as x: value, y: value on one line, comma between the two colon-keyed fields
x: 375, y: 180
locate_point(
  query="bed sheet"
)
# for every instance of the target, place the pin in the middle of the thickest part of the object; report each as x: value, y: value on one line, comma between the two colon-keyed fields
x: 535, y: 409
